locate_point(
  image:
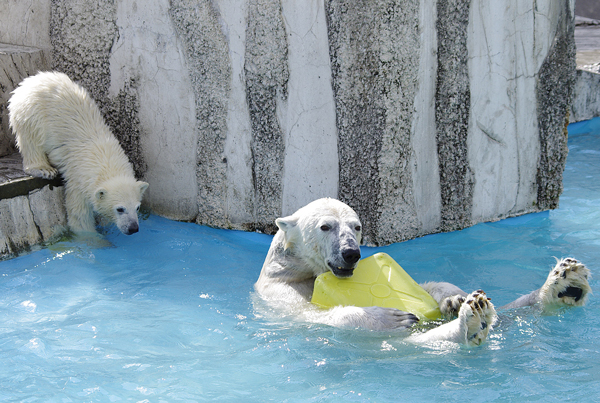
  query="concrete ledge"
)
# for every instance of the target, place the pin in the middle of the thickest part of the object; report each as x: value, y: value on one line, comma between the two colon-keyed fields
x: 586, y: 94
x: 15, y: 182
x: 586, y: 99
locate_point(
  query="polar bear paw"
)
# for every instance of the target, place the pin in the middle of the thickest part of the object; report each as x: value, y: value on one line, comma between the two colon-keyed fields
x: 450, y: 306
x: 479, y: 315
x: 567, y: 284
x: 389, y: 318
x: 45, y: 172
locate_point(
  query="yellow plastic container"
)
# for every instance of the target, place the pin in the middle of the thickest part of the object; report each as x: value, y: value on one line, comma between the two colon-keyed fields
x: 377, y: 281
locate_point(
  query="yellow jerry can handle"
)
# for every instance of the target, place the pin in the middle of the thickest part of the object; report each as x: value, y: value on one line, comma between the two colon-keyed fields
x: 377, y: 281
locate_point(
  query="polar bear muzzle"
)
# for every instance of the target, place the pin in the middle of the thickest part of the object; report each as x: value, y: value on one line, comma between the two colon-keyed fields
x: 351, y: 256
x: 341, y: 272
x: 132, y: 228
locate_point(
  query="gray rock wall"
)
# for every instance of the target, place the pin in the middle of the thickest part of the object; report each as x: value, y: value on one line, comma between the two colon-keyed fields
x: 375, y: 79
x: 197, y: 26
x: 266, y: 73
x: 452, y: 112
x: 554, y: 92
x: 586, y: 105
x: 31, y: 219
x: 16, y: 63
x: 423, y: 116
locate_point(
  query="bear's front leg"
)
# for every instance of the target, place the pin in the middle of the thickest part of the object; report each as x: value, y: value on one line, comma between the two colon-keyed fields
x: 80, y: 215
x: 370, y: 318
x: 35, y: 162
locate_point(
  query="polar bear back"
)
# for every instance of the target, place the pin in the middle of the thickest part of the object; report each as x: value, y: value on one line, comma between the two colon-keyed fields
x: 50, y: 110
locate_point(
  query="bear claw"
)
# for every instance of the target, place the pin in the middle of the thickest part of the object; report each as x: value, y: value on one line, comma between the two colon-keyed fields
x: 479, y: 314
x: 567, y: 284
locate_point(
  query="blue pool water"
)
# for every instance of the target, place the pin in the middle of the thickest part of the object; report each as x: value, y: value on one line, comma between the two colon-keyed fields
x: 167, y: 315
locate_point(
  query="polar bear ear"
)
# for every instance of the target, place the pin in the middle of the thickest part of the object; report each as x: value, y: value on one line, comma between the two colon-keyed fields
x: 143, y: 186
x: 289, y: 227
x: 100, y: 193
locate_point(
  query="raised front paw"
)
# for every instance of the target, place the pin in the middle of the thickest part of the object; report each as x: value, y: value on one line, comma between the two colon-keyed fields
x: 46, y: 173
x: 479, y: 314
x: 450, y: 306
x: 567, y: 284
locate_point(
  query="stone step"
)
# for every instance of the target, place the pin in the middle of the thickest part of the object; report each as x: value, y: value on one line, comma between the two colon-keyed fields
x: 15, y: 182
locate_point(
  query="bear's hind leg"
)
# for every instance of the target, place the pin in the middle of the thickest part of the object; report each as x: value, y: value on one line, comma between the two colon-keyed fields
x: 479, y: 314
x: 566, y: 285
x: 475, y: 319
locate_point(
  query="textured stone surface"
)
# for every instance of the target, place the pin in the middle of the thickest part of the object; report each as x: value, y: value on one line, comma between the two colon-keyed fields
x: 360, y: 112
x: 197, y: 24
x: 82, y: 34
x: 501, y: 120
x: 586, y: 102
x: 586, y: 94
x: 31, y: 209
x: 267, y: 75
x: 423, y: 116
x: 151, y: 85
x: 16, y: 63
x: 376, y: 110
x: 17, y: 226
x: 452, y: 109
x: 556, y: 79
x: 49, y: 214
x: 29, y: 220
x: 86, y: 60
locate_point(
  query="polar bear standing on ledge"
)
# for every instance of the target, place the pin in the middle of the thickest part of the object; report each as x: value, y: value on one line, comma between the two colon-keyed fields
x: 59, y: 128
x: 325, y: 236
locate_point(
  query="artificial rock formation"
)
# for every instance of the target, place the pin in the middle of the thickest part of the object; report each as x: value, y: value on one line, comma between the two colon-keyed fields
x: 423, y: 116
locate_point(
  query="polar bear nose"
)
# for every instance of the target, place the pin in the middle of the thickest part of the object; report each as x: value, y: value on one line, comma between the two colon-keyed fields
x: 132, y: 229
x: 351, y: 256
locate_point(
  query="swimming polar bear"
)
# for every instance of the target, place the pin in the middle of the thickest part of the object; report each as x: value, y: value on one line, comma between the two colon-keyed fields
x: 325, y: 236
x: 59, y: 128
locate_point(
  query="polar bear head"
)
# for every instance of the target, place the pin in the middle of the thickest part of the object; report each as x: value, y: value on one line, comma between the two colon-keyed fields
x: 118, y: 200
x: 325, y: 235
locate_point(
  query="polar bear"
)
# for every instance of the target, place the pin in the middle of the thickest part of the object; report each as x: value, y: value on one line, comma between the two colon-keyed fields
x: 59, y: 128
x: 325, y: 236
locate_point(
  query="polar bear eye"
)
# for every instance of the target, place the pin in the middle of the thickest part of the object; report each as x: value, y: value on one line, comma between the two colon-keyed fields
x: 120, y: 210
x: 358, y: 228
x: 325, y: 227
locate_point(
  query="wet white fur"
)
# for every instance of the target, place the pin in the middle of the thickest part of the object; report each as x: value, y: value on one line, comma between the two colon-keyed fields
x: 567, y: 272
x: 300, y: 251
x: 59, y: 127
x: 475, y: 319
